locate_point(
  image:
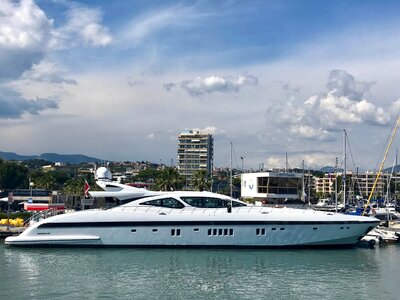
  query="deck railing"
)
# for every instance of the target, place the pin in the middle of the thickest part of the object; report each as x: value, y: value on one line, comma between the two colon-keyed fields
x: 40, y: 215
x: 200, y: 210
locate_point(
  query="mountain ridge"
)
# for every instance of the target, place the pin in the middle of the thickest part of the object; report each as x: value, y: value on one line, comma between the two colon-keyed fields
x: 53, y: 157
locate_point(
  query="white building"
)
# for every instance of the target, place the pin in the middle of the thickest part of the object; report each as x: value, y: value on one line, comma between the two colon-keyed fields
x: 195, y: 152
x: 271, y: 187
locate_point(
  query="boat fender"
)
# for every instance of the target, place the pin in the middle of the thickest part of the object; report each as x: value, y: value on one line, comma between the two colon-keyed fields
x: 371, y: 243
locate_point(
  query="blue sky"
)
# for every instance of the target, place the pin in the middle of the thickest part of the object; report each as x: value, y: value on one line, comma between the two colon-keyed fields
x: 120, y: 79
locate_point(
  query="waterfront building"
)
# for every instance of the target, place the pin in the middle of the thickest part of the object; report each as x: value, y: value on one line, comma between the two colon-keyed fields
x: 356, y: 184
x: 325, y: 185
x: 271, y: 187
x: 365, y: 181
x: 21, y: 196
x: 195, y: 152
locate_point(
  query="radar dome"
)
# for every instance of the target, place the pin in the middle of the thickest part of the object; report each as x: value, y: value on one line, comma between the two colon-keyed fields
x: 103, y: 173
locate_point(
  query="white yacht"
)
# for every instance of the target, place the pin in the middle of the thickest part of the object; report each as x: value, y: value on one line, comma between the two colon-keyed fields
x: 193, y: 219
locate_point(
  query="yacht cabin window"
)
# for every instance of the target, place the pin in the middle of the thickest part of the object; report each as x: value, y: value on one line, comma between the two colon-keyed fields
x: 208, y: 202
x: 164, y: 202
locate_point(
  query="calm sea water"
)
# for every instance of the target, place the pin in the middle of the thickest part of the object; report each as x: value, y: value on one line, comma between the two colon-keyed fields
x: 66, y: 273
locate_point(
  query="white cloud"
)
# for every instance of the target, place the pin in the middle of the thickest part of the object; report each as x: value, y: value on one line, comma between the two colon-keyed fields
x: 207, y: 85
x: 343, y: 84
x: 313, y: 161
x: 311, y: 133
x: 23, y: 25
x: 83, y: 26
x: 321, y: 116
x: 333, y: 111
x: 150, y: 23
x: 395, y: 108
x: 46, y: 71
x: 211, y: 130
x: 150, y: 136
x: 25, y: 33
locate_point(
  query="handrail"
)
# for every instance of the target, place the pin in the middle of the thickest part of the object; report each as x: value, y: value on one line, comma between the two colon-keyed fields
x: 40, y: 215
x: 198, y: 210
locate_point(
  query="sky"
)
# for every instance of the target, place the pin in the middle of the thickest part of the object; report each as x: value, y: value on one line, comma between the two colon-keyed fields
x: 118, y: 80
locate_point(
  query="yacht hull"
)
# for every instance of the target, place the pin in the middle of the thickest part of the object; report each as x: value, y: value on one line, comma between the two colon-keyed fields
x: 190, y: 230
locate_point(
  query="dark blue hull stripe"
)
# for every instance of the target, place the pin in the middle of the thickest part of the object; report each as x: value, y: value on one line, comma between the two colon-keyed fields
x: 197, y: 223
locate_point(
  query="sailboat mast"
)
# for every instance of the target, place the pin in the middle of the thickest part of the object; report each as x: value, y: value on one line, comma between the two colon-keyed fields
x: 344, y: 166
x: 230, y: 172
x: 336, y: 185
x: 395, y: 175
x: 303, y: 190
x: 309, y: 186
x: 287, y: 167
x: 382, y: 164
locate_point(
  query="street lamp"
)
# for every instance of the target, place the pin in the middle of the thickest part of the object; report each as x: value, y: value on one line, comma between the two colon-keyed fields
x: 31, y: 185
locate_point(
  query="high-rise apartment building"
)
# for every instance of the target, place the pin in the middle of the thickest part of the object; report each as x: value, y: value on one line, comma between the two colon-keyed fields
x: 195, y: 152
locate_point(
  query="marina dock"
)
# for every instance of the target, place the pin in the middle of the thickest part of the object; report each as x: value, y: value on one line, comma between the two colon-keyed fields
x: 6, y: 232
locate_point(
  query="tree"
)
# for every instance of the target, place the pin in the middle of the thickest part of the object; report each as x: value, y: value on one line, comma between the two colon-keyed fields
x: 201, y: 180
x: 169, y: 179
x: 37, y: 163
x: 51, y: 180
x: 147, y: 175
x: 74, y: 186
x: 13, y: 175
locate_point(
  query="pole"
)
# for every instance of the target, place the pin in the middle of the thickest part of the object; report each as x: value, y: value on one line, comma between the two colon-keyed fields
x: 344, y: 166
x: 303, y: 190
x: 309, y: 187
x: 8, y: 215
x: 186, y: 168
x: 395, y: 177
x: 336, y: 191
x: 230, y: 172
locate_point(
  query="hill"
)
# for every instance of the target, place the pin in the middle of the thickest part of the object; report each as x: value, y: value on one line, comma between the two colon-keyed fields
x: 329, y: 169
x: 53, y: 157
x: 396, y: 169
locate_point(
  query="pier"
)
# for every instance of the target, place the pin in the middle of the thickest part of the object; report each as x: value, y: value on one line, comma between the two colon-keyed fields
x: 5, y: 231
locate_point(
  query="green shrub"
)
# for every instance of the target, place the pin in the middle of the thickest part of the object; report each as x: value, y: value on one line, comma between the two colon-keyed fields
x: 23, y: 215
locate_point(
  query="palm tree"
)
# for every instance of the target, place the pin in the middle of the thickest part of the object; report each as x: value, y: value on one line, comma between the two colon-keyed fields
x: 169, y: 179
x: 201, y: 180
x: 46, y: 181
x: 74, y: 186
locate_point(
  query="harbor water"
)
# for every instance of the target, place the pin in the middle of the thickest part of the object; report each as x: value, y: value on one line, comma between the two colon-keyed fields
x: 112, y: 273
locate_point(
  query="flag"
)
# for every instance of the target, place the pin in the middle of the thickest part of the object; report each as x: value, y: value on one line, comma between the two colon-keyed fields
x: 86, y: 189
